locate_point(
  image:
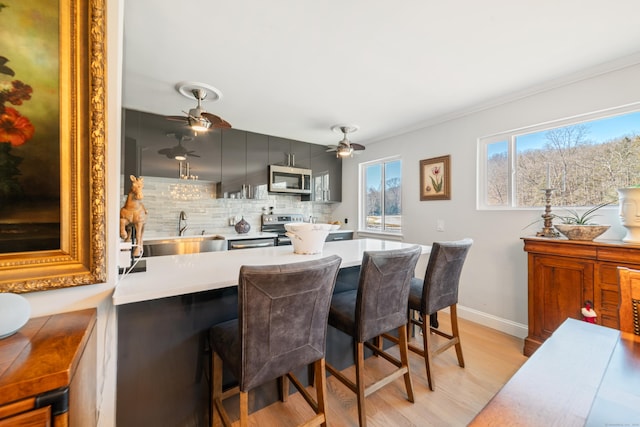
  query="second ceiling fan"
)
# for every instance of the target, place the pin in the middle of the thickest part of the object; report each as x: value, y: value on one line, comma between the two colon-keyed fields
x: 345, y: 148
x: 178, y: 152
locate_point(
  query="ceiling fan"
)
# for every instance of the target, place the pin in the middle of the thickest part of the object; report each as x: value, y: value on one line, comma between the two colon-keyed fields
x: 197, y: 118
x: 178, y: 152
x: 345, y: 148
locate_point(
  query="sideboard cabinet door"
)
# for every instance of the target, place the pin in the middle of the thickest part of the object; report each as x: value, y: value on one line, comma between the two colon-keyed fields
x: 561, y: 287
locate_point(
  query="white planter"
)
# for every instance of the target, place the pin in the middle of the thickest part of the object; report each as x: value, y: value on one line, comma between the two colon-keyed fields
x: 307, y: 238
x: 629, y: 201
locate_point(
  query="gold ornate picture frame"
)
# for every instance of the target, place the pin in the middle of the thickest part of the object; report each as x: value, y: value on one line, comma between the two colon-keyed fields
x: 80, y: 258
x: 435, y: 178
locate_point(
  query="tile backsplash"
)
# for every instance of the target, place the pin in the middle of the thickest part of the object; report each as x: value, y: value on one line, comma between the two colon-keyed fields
x: 165, y: 198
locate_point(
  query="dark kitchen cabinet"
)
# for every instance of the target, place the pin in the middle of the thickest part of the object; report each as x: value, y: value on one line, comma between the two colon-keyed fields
x: 150, y: 143
x: 288, y: 152
x: 234, y: 159
x: 326, y: 175
x: 257, y: 176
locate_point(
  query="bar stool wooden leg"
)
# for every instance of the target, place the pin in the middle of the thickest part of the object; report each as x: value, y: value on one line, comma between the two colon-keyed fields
x: 284, y: 387
x: 454, y: 329
x: 426, y: 332
x: 362, y: 416
x: 216, y: 388
x: 404, y: 358
x: 321, y: 388
x: 244, y: 409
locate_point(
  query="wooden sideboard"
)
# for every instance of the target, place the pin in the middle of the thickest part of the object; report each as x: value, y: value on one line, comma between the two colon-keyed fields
x: 48, y: 372
x: 563, y: 274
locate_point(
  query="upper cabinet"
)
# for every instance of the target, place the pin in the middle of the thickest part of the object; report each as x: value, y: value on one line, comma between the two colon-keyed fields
x: 238, y: 161
x: 257, y: 164
x: 151, y: 144
x: 326, y: 175
x: 234, y: 157
x: 288, y: 152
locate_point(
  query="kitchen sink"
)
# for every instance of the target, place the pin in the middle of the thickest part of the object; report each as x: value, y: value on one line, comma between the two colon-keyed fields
x: 183, y: 245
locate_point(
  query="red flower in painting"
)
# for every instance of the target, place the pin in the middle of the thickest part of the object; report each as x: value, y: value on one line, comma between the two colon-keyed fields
x: 14, y: 128
x: 436, y: 179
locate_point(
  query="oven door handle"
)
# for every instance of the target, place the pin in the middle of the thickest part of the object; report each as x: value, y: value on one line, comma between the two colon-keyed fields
x: 251, y: 245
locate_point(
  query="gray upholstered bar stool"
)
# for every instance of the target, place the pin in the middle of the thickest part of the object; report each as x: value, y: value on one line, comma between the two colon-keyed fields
x: 379, y: 305
x: 281, y: 326
x: 438, y: 290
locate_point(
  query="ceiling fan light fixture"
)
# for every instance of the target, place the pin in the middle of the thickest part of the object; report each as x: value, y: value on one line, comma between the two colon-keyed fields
x: 199, y: 124
x: 344, y: 152
x: 345, y: 148
x: 180, y: 157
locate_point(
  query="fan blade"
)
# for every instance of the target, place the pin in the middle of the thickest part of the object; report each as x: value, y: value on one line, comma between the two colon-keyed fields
x: 191, y: 154
x: 167, y: 152
x: 331, y: 148
x: 216, y: 121
x: 177, y: 118
x: 357, y: 146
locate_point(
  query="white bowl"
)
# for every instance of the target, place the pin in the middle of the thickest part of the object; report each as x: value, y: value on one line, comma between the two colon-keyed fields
x: 14, y: 313
x: 307, y: 238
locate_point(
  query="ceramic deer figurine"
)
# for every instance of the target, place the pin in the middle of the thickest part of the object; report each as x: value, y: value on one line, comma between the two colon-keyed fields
x: 133, y: 215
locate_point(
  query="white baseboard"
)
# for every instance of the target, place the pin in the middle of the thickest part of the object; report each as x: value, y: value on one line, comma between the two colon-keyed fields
x: 503, y: 325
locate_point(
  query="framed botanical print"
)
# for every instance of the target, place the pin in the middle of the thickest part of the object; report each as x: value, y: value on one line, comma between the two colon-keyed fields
x: 435, y: 178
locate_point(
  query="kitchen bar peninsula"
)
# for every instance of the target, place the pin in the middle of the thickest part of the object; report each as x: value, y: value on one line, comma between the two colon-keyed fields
x: 164, y: 315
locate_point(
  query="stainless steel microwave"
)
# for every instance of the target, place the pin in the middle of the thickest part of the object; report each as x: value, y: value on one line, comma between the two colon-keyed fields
x: 288, y: 179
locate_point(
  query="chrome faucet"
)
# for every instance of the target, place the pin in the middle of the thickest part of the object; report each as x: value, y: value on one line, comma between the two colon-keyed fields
x: 182, y: 228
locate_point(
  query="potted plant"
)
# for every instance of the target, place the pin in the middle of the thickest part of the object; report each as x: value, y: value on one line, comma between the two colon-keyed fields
x: 629, y: 202
x: 576, y: 226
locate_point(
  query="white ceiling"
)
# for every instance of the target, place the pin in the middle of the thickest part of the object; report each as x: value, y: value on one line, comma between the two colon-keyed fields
x: 294, y: 68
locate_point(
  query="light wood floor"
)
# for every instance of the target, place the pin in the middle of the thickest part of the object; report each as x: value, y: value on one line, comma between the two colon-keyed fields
x: 491, y: 358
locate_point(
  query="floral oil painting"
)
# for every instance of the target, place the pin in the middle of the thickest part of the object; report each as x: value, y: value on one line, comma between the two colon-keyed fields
x: 29, y: 126
x: 435, y: 178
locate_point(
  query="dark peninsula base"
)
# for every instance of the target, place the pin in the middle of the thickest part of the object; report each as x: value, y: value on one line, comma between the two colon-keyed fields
x: 163, y: 356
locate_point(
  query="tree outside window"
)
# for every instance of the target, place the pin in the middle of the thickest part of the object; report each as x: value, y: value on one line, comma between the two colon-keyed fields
x: 381, y: 196
x: 585, y: 162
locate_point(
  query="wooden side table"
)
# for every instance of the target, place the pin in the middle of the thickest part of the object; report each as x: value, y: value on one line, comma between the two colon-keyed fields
x: 563, y: 274
x: 48, y: 372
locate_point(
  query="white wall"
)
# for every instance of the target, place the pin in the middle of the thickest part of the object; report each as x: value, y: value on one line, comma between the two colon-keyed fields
x: 494, y: 281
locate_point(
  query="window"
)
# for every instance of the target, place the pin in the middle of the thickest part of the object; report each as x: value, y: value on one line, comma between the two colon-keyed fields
x: 381, y: 196
x: 584, y: 160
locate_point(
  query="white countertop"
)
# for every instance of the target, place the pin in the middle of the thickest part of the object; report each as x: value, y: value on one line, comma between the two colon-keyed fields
x: 173, y: 275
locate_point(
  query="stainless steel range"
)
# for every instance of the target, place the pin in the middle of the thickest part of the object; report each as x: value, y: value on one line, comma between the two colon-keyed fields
x: 274, y: 223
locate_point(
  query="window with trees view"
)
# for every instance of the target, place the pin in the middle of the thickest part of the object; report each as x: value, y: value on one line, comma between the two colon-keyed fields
x: 584, y: 160
x: 381, y: 196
